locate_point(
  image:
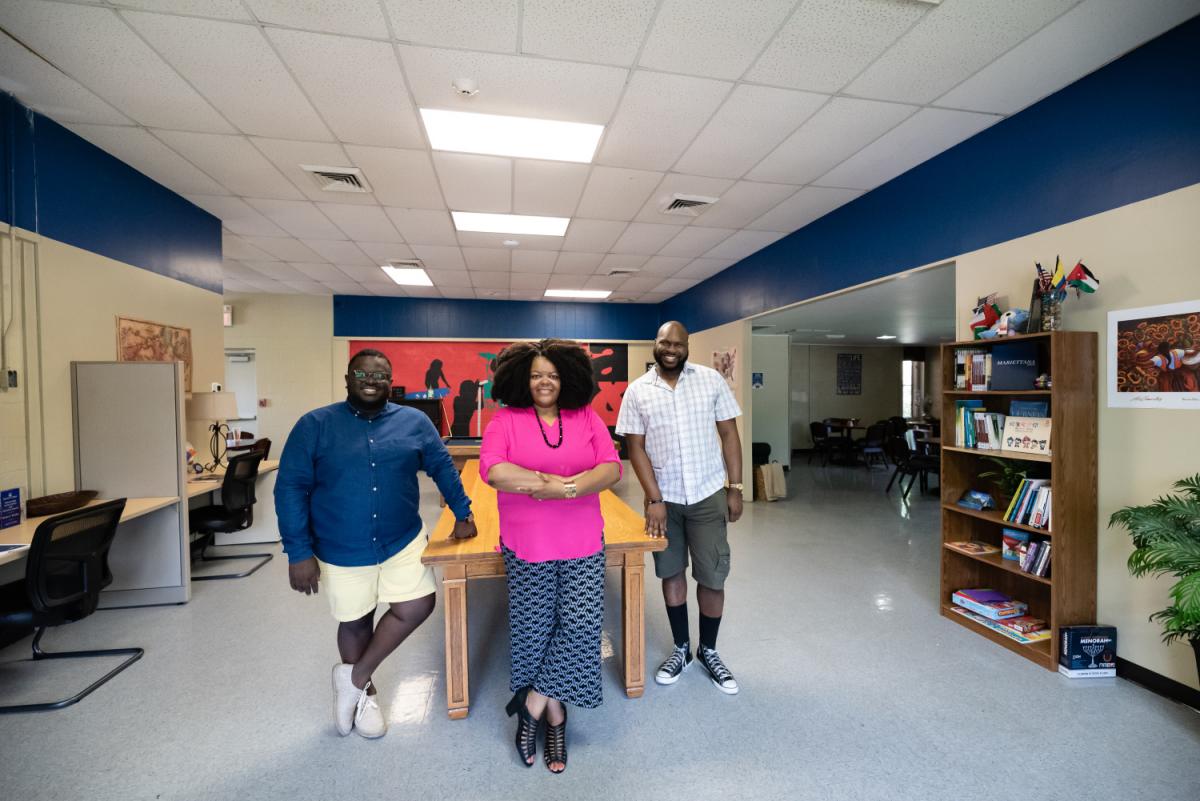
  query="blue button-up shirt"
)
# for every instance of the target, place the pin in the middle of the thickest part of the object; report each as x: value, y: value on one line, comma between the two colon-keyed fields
x: 347, y: 489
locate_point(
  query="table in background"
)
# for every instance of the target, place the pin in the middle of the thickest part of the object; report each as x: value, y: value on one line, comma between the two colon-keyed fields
x: 625, y: 546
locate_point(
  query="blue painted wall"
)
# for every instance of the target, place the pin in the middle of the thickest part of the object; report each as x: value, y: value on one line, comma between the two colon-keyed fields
x: 1125, y: 133
x: 63, y: 187
x: 357, y: 316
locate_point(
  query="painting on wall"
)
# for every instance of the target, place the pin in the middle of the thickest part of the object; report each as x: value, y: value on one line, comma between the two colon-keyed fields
x: 849, y: 374
x: 1154, y: 357
x: 145, y: 341
x: 460, y: 373
x: 725, y: 362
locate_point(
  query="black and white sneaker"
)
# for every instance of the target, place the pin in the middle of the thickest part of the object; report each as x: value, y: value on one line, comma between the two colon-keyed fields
x: 720, y: 676
x: 670, y: 670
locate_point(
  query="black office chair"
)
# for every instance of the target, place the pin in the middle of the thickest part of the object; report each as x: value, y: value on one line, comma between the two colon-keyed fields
x: 871, y: 446
x: 235, y: 513
x: 66, y: 567
x: 760, y: 453
x: 819, y: 432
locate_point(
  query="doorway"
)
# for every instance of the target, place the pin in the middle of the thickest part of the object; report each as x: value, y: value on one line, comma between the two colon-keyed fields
x: 241, y: 378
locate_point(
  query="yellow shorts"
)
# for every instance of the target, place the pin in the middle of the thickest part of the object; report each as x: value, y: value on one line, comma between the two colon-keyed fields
x: 355, y: 591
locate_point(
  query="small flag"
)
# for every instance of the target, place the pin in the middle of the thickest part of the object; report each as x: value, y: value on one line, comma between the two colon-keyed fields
x: 1059, y: 280
x: 1043, y: 278
x: 1082, y: 280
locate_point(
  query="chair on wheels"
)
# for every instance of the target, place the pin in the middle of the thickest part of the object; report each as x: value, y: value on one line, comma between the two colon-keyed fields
x: 66, y: 567
x: 263, y: 446
x: 234, y: 513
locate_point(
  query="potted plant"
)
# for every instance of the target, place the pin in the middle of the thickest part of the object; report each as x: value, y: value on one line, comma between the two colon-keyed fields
x: 1007, y: 476
x: 1166, y: 541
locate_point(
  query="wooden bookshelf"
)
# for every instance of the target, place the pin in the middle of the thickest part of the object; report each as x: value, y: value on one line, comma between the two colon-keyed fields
x: 1068, y: 595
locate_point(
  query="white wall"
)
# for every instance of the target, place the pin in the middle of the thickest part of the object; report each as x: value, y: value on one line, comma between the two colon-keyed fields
x: 770, y: 402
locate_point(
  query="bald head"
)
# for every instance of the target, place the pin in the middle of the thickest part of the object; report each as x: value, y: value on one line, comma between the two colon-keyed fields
x: 672, y: 327
x: 671, y: 348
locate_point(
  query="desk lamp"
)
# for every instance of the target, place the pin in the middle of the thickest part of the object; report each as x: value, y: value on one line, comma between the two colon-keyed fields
x: 218, y: 407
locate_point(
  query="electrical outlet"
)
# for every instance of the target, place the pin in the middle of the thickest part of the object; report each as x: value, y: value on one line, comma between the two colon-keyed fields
x: 12, y: 379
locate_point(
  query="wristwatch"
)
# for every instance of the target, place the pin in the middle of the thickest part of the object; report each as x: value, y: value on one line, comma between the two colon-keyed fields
x: 737, y: 486
x: 570, y: 490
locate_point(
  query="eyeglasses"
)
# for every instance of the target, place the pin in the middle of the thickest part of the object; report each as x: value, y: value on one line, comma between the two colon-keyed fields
x: 377, y: 375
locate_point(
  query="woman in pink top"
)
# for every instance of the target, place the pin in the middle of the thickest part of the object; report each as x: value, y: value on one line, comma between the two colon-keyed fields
x: 549, y: 455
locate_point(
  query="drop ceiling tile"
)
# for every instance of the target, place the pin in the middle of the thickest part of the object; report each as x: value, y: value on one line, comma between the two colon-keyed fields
x: 440, y: 257
x: 137, y: 148
x: 673, y: 286
x: 237, y: 215
x: 949, y: 44
x: 578, y: 263
x: 287, y: 156
x: 350, y: 17
x: 645, y: 238
x: 318, y: 271
x: 43, y: 88
x: 659, y: 117
x: 369, y: 223
x: 566, y: 281
x: 827, y: 42
x: 614, y: 261
x: 529, y: 281
x: 216, y: 9
x: 475, y: 183
x: 807, y: 205
x: 271, y: 286
x: 355, y: 84
x: 655, y: 297
x: 748, y: 126
x: 533, y: 261
x: 706, y: 37
x: 694, y: 241
x: 550, y: 188
x: 339, y: 251
x: 609, y: 282
x: 233, y: 285
x: 283, y: 248
x: 403, y: 178
x: 276, y: 270
x: 514, y: 85
x: 742, y: 244
x: 702, y: 269
x: 233, y: 162
x: 599, y: 31
x: 388, y: 290
x: 423, y: 226
x: 833, y: 134
x: 490, y: 280
x: 527, y: 295
x: 467, y: 24
x: 95, y: 47
x: 235, y: 269
x: 459, y: 293
x: 476, y: 239
x: 234, y: 247
x: 743, y: 203
x: 922, y: 136
x: 383, y: 252
x: 492, y: 259
x: 592, y: 236
x: 299, y: 218
x: 365, y: 275
x: 1084, y: 39
x: 346, y: 288
x: 674, y: 184
x: 217, y: 57
x: 640, y: 283
x: 665, y: 265
x: 309, y: 287
x: 615, y: 193
x: 450, y: 278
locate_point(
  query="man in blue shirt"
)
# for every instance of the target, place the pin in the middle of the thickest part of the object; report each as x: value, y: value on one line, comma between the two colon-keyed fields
x: 347, y: 501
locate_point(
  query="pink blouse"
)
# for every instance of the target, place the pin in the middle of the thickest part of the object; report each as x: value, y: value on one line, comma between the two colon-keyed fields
x: 538, y: 531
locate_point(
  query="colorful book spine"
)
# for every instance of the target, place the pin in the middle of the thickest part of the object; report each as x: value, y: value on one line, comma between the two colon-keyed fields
x: 992, y: 611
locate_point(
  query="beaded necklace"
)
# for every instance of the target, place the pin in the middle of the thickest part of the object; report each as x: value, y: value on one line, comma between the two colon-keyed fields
x: 546, y: 439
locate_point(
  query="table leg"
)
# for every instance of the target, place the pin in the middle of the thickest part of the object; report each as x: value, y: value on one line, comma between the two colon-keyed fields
x: 633, y: 622
x: 454, y: 600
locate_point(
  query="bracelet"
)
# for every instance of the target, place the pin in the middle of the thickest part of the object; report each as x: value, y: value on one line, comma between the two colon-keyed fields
x: 652, y: 502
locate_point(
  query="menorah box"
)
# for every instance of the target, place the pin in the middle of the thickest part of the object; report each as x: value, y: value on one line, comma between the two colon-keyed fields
x: 1088, y: 647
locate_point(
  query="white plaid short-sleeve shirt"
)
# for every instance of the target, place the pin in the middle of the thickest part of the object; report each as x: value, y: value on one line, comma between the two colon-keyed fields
x: 680, y: 426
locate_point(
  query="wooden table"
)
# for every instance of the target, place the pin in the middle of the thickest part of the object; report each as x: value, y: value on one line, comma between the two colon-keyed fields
x: 23, y: 534
x: 625, y: 547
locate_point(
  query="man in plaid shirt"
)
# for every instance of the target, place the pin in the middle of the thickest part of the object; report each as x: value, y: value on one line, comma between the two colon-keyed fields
x: 680, y: 428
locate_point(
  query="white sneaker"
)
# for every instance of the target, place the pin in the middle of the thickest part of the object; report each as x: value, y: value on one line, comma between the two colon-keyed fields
x: 368, y: 719
x: 345, y: 699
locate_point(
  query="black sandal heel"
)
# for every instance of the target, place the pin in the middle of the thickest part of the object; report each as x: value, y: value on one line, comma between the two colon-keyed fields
x: 527, y: 727
x: 556, y: 744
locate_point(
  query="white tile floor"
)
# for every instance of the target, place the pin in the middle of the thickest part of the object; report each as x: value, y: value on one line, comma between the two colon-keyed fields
x: 852, y: 688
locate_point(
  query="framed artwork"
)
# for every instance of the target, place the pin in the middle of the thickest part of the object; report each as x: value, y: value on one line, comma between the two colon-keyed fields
x: 725, y: 363
x: 145, y: 341
x: 1154, y: 357
x: 849, y: 374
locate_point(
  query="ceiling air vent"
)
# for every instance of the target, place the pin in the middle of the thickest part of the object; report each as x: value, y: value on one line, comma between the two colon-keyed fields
x: 338, y: 179
x: 623, y: 271
x: 687, y: 205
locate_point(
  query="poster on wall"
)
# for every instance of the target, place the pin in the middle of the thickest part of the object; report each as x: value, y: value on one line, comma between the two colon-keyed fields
x: 1154, y: 357
x: 756, y: 380
x: 144, y: 341
x: 725, y: 362
x: 849, y: 374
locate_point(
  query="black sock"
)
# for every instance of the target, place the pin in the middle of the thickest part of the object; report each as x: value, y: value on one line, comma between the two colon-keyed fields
x: 679, y: 623
x: 708, y: 631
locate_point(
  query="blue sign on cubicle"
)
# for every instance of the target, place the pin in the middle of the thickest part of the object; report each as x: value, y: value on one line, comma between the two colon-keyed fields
x: 10, y: 508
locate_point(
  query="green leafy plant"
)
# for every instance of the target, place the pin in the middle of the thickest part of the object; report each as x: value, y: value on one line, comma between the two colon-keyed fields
x: 1166, y: 540
x: 1008, y: 475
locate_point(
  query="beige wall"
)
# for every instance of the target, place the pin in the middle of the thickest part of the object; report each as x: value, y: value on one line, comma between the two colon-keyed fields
x: 13, y: 452
x: 933, y: 380
x: 881, y: 388
x: 290, y: 335
x: 770, y: 402
x: 1144, y: 254
x: 701, y: 345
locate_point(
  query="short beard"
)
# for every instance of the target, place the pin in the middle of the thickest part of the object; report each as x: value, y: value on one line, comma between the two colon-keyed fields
x: 368, y: 407
x: 678, y: 366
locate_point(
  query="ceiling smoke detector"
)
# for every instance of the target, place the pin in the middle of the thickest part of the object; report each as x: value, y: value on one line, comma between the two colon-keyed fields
x: 467, y: 87
x: 338, y: 179
x: 687, y: 205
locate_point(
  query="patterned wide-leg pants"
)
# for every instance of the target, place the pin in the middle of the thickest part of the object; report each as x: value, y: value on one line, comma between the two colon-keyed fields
x: 555, y: 610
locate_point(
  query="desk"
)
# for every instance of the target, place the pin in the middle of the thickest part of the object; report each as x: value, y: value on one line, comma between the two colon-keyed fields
x: 265, y: 527
x: 23, y: 534
x: 625, y: 547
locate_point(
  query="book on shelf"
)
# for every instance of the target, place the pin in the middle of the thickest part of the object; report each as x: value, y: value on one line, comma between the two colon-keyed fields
x: 963, y: 358
x: 1011, y: 542
x: 1014, y: 365
x: 1098, y: 673
x: 1088, y: 647
x: 1027, y: 434
x: 974, y: 547
x: 1000, y: 628
x: 1024, y: 624
x: 964, y: 435
x: 1030, y: 504
x: 989, y: 429
x: 989, y: 603
x: 981, y: 371
x: 974, y: 499
x: 1028, y: 408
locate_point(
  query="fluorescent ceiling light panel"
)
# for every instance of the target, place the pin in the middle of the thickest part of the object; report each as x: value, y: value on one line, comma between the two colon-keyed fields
x: 407, y: 276
x: 594, y: 294
x: 510, y: 223
x: 886, y: 336
x: 519, y: 137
